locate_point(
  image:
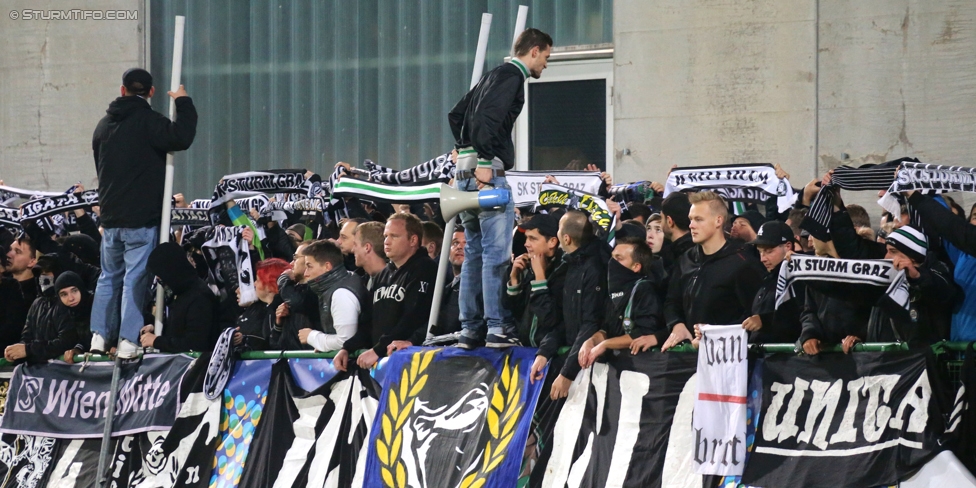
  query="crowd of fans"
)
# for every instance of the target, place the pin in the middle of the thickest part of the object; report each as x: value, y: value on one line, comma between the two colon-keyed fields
x: 364, y: 284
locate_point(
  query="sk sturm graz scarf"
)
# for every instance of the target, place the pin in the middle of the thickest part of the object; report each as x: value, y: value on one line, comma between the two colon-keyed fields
x: 252, y: 183
x: 10, y: 217
x: 50, y: 206
x: 9, y: 195
x: 560, y: 196
x: 920, y: 176
x: 230, y: 237
x: 844, y: 278
x: 527, y: 184
x: 760, y: 176
x: 440, y: 168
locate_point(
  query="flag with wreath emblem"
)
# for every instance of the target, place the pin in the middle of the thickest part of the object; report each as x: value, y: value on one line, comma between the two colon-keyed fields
x: 452, y: 418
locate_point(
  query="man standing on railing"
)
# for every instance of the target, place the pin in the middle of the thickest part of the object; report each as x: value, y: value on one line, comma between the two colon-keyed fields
x: 482, y: 126
x: 130, y: 145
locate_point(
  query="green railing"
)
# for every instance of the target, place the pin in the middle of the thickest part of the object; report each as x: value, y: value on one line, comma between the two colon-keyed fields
x: 939, y: 348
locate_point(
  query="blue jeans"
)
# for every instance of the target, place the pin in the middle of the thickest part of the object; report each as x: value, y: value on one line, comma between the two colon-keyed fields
x: 487, y: 256
x: 123, y: 285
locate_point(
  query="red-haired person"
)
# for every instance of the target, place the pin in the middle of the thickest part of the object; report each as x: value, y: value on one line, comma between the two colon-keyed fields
x: 255, y: 324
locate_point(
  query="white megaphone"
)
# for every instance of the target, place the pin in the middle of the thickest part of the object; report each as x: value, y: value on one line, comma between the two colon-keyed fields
x: 454, y: 202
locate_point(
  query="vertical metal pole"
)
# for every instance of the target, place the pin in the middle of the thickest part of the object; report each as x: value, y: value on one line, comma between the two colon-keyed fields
x: 523, y: 15
x: 164, y: 225
x: 442, y: 263
x: 103, y: 462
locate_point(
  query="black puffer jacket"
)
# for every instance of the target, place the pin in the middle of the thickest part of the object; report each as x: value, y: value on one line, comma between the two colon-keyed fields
x: 484, y: 117
x: 49, y: 331
x: 538, y: 307
x: 130, y: 145
x: 780, y: 325
x: 716, y: 289
x: 584, y: 303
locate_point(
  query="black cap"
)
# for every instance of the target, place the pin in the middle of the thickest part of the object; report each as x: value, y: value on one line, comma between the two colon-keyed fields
x: 773, y: 233
x: 755, y: 219
x: 137, y: 81
x: 546, y: 224
x: 68, y: 279
x: 630, y: 230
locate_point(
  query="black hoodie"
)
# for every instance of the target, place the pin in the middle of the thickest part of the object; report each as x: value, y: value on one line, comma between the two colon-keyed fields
x: 130, y: 145
x: 646, y: 313
x: 191, y: 318
x: 715, y: 289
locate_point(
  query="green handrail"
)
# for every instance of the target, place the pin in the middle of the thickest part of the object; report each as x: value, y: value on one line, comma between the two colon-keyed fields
x: 938, y: 347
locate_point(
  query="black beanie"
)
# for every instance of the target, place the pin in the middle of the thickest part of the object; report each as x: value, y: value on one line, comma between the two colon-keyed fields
x: 84, y: 247
x: 67, y: 280
x: 169, y: 262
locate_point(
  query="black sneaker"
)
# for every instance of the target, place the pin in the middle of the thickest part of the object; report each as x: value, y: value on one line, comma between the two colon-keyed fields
x: 469, y: 343
x: 502, y: 341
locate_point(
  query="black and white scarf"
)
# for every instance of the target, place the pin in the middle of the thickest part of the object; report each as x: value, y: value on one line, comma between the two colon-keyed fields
x: 304, y: 205
x: 253, y: 183
x: 10, y: 217
x: 440, y: 168
x: 759, y: 176
x: 858, y: 273
x: 9, y: 195
x: 230, y: 237
x: 933, y: 177
x: 195, y: 217
x: 220, y: 366
x: 526, y: 184
x: 862, y: 178
x: 53, y: 205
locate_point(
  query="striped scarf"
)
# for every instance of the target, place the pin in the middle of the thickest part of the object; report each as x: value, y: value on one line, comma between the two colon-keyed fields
x: 847, y: 277
x: 350, y: 187
x: 752, y: 176
x: 931, y: 177
x: 440, y: 168
x: 230, y: 237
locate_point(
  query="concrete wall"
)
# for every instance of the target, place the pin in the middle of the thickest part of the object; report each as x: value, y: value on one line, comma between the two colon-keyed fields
x: 706, y: 82
x: 57, y: 77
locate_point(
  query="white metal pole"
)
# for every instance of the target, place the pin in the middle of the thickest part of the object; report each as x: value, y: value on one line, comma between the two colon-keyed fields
x: 443, y: 263
x: 164, y: 225
x: 523, y: 15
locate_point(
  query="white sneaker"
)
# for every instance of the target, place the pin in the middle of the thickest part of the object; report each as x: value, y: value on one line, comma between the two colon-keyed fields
x: 97, y: 344
x: 128, y: 349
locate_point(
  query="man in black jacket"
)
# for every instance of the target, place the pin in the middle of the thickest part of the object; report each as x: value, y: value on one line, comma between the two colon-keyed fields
x: 583, y: 301
x: 339, y: 294
x: 401, y: 296
x: 535, y: 288
x: 48, y: 333
x: 130, y: 145
x: 482, y: 126
x: 767, y: 324
x: 18, y: 288
x: 635, y: 317
x: 191, y: 318
x: 714, y: 282
x: 675, y: 210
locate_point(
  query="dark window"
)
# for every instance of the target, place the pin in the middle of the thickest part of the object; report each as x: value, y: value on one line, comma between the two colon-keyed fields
x: 567, y: 124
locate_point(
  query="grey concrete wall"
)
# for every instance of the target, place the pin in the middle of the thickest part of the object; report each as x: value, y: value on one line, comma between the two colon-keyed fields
x: 706, y: 82
x: 57, y: 77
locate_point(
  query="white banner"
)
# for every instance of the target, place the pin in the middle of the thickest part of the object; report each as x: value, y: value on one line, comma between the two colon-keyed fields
x: 720, y: 406
x: 526, y: 184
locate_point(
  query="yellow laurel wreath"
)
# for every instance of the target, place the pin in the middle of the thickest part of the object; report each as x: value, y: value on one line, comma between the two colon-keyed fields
x: 503, y: 416
x: 400, y: 404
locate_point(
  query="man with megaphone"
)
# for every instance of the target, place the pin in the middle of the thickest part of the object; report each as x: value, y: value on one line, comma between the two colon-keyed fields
x: 482, y: 126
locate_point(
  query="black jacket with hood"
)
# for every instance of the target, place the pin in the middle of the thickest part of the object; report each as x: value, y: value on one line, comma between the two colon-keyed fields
x: 639, y: 290
x: 715, y: 289
x: 191, y: 320
x: 484, y: 117
x: 779, y: 325
x: 50, y: 330
x: 584, y: 303
x: 538, y: 305
x: 130, y: 145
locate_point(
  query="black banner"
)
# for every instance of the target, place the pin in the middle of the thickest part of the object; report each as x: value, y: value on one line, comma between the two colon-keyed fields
x: 857, y: 420
x: 615, y: 429
x: 70, y: 401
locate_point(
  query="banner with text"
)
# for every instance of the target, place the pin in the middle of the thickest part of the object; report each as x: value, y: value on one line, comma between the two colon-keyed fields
x: 720, y: 405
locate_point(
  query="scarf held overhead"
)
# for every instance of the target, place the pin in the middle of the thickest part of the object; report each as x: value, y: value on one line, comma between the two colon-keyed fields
x: 231, y: 238
x: 921, y: 176
x: 252, y: 183
x: 761, y: 176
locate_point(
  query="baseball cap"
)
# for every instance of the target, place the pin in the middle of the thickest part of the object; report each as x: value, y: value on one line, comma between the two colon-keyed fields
x: 137, y: 80
x: 755, y: 219
x: 773, y: 233
x: 546, y: 224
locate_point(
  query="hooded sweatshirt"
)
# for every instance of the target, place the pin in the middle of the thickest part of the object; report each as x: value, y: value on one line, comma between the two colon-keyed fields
x: 81, y: 313
x: 716, y: 289
x: 191, y: 318
x: 634, y: 307
x: 130, y: 145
